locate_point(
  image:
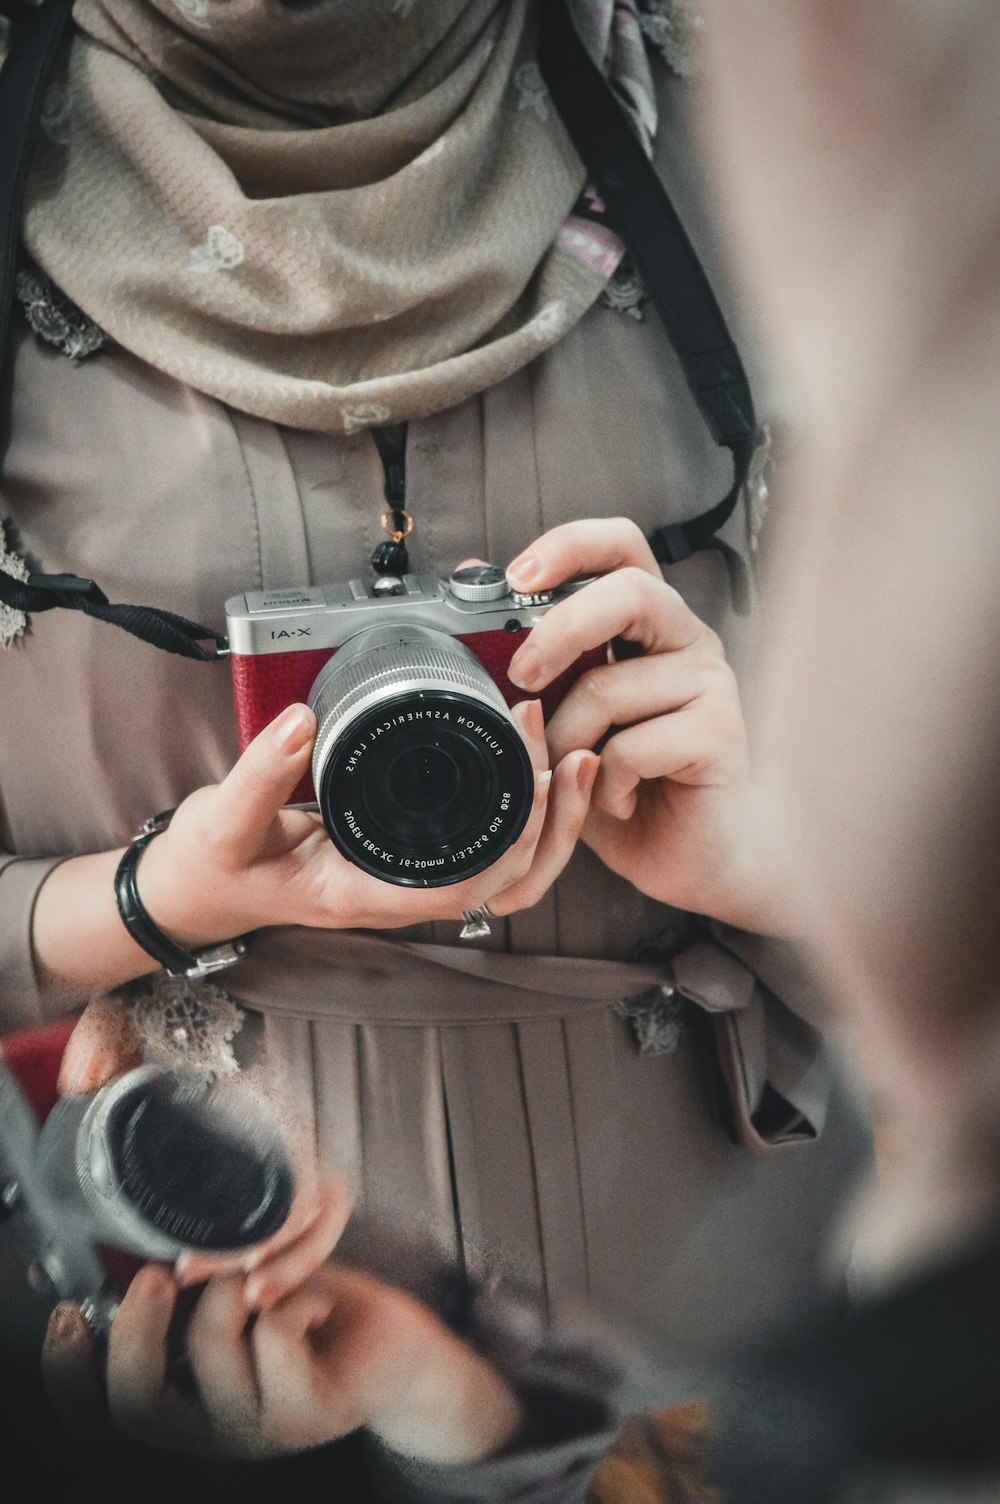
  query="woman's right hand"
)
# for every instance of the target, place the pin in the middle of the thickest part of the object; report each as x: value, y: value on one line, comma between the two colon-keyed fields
x: 340, y: 1351
x: 235, y: 859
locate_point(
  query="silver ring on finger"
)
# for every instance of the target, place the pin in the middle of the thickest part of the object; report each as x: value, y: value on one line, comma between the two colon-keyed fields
x: 476, y: 924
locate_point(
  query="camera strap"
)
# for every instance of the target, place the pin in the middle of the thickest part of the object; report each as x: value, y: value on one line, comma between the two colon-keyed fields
x: 640, y: 209
x: 635, y: 196
x: 36, y: 31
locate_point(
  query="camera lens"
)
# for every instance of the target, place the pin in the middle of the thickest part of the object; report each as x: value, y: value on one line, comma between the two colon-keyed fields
x: 163, y: 1162
x: 421, y: 775
x: 430, y: 794
x: 423, y: 780
x: 190, y: 1173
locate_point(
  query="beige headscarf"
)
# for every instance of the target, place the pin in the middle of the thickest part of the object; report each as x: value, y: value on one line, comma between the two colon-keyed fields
x: 332, y: 214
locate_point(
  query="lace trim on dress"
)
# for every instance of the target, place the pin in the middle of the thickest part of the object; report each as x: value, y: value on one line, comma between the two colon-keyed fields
x: 626, y: 291
x: 657, y: 1019
x: 186, y: 1025
x: 55, y: 319
x: 673, y: 27
x: 12, y: 622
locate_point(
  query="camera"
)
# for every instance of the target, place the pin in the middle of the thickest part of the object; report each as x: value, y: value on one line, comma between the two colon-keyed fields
x: 158, y: 1162
x: 418, y: 770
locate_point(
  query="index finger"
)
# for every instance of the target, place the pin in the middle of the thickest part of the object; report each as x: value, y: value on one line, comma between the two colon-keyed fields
x: 596, y: 545
x: 137, y: 1353
x: 629, y: 604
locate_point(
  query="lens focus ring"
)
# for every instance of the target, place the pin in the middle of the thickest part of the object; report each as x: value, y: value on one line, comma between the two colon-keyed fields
x: 389, y: 671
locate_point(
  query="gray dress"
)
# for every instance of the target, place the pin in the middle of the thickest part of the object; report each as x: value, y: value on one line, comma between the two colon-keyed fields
x: 491, y: 1095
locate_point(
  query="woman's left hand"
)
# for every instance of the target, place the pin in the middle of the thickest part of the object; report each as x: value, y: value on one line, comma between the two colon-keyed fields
x: 672, y: 806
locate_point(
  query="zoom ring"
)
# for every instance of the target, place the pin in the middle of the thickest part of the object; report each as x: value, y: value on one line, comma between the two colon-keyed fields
x: 380, y: 672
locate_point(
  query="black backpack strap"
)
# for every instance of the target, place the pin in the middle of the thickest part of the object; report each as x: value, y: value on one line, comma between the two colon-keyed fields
x: 36, y: 32
x: 37, y: 29
x: 640, y: 208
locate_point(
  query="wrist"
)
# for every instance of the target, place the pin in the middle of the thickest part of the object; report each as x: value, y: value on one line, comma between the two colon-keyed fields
x: 178, y: 901
x: 79, y: 944
x: 756, y: 892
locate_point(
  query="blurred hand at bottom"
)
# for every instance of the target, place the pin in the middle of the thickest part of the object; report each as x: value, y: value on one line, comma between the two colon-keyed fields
x: 342, y: 1351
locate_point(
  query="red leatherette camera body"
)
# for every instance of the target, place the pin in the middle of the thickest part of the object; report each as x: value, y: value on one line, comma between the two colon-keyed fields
x: 264, y: 683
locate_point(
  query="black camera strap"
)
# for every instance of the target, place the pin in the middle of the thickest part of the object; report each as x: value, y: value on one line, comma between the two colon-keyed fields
x: 636, y: 199
x: 641, y: 210
x: 36, y: 31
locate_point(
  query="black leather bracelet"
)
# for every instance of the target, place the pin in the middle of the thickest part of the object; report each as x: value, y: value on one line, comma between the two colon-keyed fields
x: 147, y: 933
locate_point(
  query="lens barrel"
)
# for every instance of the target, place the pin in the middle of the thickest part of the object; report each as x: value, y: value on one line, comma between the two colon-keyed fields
x: 162, y: 1163
x: 421, y: 775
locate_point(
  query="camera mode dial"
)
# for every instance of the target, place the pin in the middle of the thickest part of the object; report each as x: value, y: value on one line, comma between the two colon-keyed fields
x: 479, y: 582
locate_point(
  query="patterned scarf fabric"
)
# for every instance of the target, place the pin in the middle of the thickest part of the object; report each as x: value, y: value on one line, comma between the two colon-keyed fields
x: 332, y: 214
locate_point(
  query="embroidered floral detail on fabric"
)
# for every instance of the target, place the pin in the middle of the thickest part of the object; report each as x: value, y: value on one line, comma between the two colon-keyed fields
x: 12, y: 622
x: 757, y: 489
x: 189, y: 1024
x: 54, y: 119
x: 531, y: 91
x: 220, y: 253
x: 548, y: 321
x: 193, y: 10
x: 657, y: 1019
x: 592, y: 244
x: 429, y: 153
x: 673, y: 27
x: 55, y: 319
x: 365, y: 415
x: 626, y: 291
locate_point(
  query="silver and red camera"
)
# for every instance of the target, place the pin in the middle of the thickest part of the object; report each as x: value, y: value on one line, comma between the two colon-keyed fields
x: 419, y: 771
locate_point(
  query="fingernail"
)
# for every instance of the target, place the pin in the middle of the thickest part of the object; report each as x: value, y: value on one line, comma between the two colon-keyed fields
x: 543, y: 783
x: 78, y: 1074
x: 182, y: 1267
x: 155, y: 1285
x: 585, y: 774
x: 525, y: 570
x: 252, y: 1291
x: 250, y: 1263
x: 67, y: 1324
x: 525, y: 667
x: 534, y: 717
x: 292, y: 729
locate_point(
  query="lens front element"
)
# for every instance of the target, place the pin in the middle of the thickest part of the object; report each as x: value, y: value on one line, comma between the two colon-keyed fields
x: 423, y: 781
x: 422, y: 776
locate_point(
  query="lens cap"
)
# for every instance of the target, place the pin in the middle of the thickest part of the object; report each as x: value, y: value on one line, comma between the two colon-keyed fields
x: 207, y: 1177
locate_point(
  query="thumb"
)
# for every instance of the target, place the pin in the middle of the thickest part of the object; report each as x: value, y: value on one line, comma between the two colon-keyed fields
x: 70, y: 1373
x: 247, y: 802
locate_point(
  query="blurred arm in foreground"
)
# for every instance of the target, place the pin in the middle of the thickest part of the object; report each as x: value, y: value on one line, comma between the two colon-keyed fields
x: 856, y: 150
